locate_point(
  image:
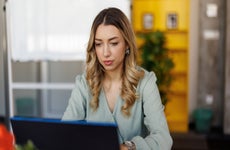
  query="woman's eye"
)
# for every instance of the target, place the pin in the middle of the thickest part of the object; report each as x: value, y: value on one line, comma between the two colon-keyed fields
x: 114, y: 43
x: 97, y: 44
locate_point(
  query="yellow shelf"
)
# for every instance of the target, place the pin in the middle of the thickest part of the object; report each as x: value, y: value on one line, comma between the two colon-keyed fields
x: 160, y: 9
x: 177, y: 123
x: 177, y: 42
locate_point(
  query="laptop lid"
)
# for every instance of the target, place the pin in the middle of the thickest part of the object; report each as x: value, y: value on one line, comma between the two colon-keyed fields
x: 54, y: 134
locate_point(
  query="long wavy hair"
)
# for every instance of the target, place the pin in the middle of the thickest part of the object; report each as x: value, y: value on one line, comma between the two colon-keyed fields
x: 95, y: 71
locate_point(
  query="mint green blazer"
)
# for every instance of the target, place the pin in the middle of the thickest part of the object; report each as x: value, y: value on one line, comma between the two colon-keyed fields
x: 146, y: 127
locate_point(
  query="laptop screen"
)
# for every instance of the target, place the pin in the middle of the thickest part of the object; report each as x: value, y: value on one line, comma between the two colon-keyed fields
x: 50, y: 134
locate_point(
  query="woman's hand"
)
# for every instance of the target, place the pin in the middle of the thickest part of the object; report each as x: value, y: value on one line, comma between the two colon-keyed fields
x: 123, y: 147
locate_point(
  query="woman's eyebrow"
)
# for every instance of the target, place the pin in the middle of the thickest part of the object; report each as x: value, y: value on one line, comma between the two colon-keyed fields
x: 98, y: 39
x: 110, y: 39
x: 113, y: 38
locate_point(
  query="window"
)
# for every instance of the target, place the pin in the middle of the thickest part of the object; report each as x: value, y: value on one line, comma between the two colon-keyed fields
x: 53, y: 29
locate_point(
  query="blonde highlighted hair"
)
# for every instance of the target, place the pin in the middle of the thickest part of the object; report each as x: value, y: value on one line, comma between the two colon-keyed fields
x: 95, y: 71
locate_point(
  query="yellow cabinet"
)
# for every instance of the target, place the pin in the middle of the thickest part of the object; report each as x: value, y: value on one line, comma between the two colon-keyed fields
x: 171, y: 17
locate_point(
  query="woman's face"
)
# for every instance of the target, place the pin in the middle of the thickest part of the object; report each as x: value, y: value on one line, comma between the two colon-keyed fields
x: 110, y: 47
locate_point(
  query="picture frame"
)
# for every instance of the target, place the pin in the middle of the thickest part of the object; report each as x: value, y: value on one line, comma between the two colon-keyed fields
x: 172, y: 20
x: 148, y: 21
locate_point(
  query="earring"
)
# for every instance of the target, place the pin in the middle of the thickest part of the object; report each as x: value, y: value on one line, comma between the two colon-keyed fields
x: 127, y: 51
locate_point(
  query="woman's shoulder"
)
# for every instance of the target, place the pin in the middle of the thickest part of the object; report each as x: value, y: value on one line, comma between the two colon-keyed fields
x: 80, y: 80
x: 149, y: 76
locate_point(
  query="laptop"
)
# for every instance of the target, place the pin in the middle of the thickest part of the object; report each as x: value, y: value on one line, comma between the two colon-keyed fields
x: 54, y: 134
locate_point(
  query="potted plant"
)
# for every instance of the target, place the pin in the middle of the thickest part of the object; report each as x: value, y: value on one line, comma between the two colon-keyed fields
x: 155, y: 57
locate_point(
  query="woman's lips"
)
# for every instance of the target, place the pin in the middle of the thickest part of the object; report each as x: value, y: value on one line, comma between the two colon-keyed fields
x: 108, y: 62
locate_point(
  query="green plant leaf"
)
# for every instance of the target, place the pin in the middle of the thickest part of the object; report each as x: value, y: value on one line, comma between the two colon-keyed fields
x: 155, y: 58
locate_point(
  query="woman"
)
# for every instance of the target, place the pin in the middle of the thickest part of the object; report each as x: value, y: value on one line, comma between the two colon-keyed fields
x: 115, y: 89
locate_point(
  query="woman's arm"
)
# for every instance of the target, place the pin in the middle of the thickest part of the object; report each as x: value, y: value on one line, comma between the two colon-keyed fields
x: 154, y: 118
x: 77, y: 103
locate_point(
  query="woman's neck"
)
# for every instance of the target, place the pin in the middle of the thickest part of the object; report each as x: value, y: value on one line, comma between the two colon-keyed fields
x: 113, y: 76
x: 112, y: 80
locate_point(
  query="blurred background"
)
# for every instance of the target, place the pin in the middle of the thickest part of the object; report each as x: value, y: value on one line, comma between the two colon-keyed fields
x: 42, y: 49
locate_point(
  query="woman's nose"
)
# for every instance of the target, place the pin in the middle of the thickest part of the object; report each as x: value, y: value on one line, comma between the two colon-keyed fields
x: 106, y: 51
